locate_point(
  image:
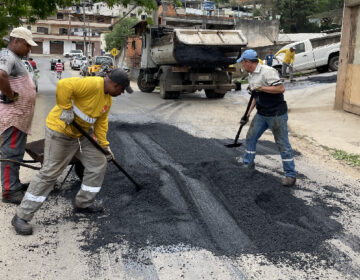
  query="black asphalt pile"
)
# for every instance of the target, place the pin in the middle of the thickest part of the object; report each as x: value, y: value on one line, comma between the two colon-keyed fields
x: 196, y: 193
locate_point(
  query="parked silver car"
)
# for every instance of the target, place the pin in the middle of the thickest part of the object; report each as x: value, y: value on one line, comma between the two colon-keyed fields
x: 34, y: 74
x: 76, y: 62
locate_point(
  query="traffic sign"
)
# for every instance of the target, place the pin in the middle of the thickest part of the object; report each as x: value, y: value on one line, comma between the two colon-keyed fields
x: 114, y: 52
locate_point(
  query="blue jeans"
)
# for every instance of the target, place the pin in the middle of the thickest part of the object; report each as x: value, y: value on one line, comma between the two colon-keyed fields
x: 278, y: 126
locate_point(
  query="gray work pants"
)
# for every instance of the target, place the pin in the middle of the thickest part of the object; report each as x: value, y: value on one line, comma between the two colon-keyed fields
x: 12, y: 147
x: 283, y: 70
x: 59, y: 150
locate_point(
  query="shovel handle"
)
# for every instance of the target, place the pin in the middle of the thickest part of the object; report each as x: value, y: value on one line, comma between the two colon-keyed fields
x: 245, y: 114
x: 101, y: 149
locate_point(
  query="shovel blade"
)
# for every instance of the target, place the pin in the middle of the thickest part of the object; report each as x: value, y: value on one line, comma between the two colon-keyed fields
x: 234, y: 145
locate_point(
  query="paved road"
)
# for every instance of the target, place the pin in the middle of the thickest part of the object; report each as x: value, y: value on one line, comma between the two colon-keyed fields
x: 200, y: 214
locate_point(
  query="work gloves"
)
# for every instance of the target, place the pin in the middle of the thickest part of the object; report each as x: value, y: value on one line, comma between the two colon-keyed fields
x: 67, y: 116
x: 244, y: 120
x: 109, y: 156
x: 6, y: 100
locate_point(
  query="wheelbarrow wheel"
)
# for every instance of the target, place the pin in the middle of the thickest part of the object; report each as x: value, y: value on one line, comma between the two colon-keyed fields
x: 79, y: 170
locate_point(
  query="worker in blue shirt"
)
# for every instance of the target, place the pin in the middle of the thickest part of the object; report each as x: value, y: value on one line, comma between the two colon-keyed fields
x: 269, y: 58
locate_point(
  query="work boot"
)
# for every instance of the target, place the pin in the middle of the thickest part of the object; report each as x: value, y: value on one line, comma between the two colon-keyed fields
x: 288, y: 181
x: 96, y: 207
x: 250, y: 165
x: 14, y: 197
x: 21, y: 226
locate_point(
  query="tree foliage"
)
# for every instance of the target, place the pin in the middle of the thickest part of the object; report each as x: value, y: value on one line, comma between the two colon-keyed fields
x: 295, y: 13
x: 116, y: 38
x: 14, y: 12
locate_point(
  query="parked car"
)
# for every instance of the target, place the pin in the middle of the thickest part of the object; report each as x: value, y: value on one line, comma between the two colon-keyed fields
x: 77, y: 61
x: 34, y: 74
x: 53, y: 61
x: 317, y: 53
x: 73, y: 52
x: 98, y: 62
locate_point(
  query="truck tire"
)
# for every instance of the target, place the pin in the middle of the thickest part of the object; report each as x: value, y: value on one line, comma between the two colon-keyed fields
x: 211, y: 94
x: 167, y: 94
x: 334, y: 63
x: 143, y: 85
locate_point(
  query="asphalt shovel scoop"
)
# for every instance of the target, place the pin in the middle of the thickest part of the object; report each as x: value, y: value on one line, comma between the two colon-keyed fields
x: 101, y: 149
x: 236, y: 144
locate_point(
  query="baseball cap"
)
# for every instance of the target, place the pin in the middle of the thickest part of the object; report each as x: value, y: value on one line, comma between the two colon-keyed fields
x: 23, y: 33
x: 248, y: 54
x: 292, y: 48
x: 120, y: 77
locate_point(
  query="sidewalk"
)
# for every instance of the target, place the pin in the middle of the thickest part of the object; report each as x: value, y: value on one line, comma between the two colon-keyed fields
x: 311, y: 115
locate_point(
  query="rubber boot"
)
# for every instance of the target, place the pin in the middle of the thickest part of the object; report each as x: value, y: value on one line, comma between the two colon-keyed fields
x: 21, y: 226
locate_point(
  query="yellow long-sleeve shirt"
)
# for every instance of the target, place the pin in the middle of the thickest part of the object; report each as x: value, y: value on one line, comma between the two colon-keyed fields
x: 289, y: 55
x: 91, y: 106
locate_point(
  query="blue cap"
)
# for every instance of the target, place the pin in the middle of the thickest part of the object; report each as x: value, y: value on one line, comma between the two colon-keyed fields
x: 248, y: 54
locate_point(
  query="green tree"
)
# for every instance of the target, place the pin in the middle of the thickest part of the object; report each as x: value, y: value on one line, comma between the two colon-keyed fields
x: 294, y: 15
x: 116, y: 38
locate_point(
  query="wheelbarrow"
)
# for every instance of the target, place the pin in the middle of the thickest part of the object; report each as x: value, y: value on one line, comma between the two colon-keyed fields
x: 36, y: 151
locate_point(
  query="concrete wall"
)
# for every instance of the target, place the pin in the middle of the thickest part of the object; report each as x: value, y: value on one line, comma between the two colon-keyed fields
x: 259, y: 32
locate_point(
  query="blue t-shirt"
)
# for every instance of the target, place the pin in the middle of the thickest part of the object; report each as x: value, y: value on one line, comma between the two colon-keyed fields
x: 269, y: 59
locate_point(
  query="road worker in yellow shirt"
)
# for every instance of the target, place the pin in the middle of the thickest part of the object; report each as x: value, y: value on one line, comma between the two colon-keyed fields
x: 288, y: 62
x: 86, y: 101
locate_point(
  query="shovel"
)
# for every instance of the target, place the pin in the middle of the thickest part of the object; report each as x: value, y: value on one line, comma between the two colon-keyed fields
x: 101, y: 149
x: 236, y: 144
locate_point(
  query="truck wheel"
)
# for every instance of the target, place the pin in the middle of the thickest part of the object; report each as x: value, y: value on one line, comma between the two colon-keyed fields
x: 167, y: 94
x: 334, y: 63
x: 143, y: 85
x: 211, y: 94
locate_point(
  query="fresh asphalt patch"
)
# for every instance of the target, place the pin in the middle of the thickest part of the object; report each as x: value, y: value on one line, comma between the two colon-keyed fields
x: 196, y: 193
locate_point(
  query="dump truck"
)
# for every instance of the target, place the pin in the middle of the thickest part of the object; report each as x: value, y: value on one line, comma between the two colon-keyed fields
x: 186, y: 60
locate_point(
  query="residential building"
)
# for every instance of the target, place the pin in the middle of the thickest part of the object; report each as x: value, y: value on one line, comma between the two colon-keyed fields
x: 67, y: 30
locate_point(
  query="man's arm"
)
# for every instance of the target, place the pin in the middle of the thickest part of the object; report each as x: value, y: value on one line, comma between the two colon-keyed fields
x: 279, y: 52
x: 273, y: 89
x: 5, y: 85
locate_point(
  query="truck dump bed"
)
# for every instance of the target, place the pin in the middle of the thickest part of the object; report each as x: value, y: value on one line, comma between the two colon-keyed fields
x: 197, y: 48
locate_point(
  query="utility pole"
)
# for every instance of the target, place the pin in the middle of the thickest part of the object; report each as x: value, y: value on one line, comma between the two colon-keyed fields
x: 85, y: 3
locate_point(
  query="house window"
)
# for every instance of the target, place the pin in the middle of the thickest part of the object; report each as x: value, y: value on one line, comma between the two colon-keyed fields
x: 132, y: 15
x: 29, y: 27
x: 43, y: 30
x: 60, y: 16
x: 62, y: 31
x: 133, y: 43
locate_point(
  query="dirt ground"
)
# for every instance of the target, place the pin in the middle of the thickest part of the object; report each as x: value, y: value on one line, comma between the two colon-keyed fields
x: 200, y: 215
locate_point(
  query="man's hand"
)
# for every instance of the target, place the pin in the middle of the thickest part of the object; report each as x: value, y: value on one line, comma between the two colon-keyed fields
x: 253, y: 87
x: 244, y: 120
x: 67, y: 116
x: 110, y: 156
x: 7, y: 100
